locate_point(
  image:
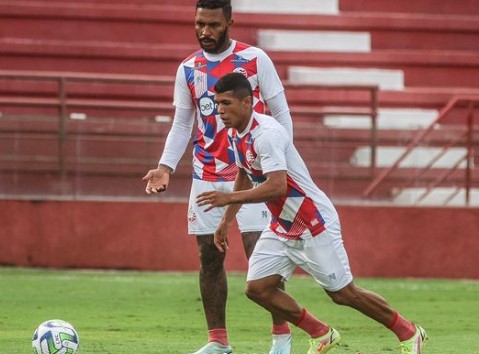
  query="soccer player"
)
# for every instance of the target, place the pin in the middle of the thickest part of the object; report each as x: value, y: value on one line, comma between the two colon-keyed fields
x: 213, y: 159
x: 304, y: 230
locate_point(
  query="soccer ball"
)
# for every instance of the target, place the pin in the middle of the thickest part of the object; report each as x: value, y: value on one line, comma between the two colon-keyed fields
x: 55, y: 337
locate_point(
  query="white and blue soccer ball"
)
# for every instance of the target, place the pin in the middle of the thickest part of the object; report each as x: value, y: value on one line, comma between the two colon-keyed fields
x: 55, y: 337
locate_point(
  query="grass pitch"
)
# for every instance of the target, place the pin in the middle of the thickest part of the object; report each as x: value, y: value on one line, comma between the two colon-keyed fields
x: 146, y: 312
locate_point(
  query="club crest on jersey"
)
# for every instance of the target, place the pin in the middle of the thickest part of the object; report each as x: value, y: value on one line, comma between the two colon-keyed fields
x: 241, y: 71
x: 250, y: 158
x: 199, y: 66
x: 191, y: 215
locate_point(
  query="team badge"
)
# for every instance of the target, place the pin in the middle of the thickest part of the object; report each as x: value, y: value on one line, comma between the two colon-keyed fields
x: 191, y: 215
x: 241, y: 70
x: 250, y: 157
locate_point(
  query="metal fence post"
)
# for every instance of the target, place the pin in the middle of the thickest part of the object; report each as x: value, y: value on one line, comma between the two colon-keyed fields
x: 62, y: 123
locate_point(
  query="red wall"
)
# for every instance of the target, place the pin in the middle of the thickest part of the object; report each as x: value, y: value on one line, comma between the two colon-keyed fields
x: 381, y: 241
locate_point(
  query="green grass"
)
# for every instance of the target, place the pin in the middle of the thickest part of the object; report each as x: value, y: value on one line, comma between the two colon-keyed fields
x: 132, y: 312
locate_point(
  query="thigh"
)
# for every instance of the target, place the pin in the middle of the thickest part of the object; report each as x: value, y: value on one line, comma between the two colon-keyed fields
x: 325, y: 258
x: 250, y: 218
x: 210, y: 257
x: 270, y: 257
x: 253, y: 217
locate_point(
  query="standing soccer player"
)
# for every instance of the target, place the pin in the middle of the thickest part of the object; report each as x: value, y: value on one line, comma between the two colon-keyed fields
x: 304, y: 231
x: 213, y: 159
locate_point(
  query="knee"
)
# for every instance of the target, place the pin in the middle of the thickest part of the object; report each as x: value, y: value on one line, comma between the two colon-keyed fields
x: 347, y: 296
x: 255, y: 292
x: 211, y: 260
x: 339, y: 298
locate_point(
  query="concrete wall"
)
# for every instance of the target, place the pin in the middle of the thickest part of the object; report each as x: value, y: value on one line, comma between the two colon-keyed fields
x: 381, y: 241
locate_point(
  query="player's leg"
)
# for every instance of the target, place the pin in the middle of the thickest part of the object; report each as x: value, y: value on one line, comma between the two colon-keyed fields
x: 366, y: 302
x: 253, y: 217
x: 249, y: 241
x: 212, y: 275
x: 377, y: 308
x: 265, y: 292
x: 269, y: 265
x: 213, y: 282
x: 328, y: 262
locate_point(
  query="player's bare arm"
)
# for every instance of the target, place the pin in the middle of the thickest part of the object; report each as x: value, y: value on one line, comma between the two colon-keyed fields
x: 274, y: 187
x: 158, y: 179
x: 242, y: 182
x: 220, y: 238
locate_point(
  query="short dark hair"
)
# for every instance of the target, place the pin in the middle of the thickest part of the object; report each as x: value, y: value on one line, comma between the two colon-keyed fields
x: 216, y: 4
x: 235, y: 82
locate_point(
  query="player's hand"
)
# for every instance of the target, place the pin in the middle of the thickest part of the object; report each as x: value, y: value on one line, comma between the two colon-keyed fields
x: 221, y: 237
x: 158, y: 180
x: 213, y: 199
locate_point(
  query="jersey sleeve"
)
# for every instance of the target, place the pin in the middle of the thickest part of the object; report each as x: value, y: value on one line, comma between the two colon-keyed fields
x: 269, y: 82
x: 280, y: 111
x: 182, y: 95
x: 178, y: 137
x: 271, y: 147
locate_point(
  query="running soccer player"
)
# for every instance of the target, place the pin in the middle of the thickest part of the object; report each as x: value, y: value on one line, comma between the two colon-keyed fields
x: 213, y: 159
x: 304, y: 231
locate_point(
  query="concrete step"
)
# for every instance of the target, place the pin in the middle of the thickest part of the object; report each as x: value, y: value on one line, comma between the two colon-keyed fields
x: 440, y: 196
x: 310, y: 41
x: 458, y: 7
x: 386, y: 79
x: 420, y: 68
x: 420, y: 157
x: 324, y: 7
x: 387, y: 119
x: 166, y: 23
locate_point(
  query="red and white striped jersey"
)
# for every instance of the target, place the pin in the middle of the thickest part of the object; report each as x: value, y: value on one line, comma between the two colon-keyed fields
x: 213, y: 157
x: 265, y: 147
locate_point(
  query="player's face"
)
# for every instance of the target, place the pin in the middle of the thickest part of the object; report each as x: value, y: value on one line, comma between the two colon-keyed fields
x: 212, y: 30
x: 234, y: 112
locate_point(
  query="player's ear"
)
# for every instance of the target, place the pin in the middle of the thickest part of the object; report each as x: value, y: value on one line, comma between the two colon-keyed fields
x: 248, y: 100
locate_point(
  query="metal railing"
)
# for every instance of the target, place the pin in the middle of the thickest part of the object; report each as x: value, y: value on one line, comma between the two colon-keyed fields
x: 62, y: 102
x: 62, y: 99
x: 371, y: 110
x: 468, y: 135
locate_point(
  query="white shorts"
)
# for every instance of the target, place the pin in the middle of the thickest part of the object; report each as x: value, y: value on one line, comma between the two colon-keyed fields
x: 250, y: 218
x: 323, y: 256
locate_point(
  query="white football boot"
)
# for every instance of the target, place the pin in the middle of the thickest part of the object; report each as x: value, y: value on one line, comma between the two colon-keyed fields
x: 215, y: 348
x: 281, y: 344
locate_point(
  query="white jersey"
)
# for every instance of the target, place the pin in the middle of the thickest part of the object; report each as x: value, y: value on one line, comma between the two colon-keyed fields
x: 213, y: 158
x: 265, y: 147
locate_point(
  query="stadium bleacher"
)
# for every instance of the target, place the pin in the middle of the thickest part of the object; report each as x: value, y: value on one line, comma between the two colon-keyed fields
x: 419, y: 54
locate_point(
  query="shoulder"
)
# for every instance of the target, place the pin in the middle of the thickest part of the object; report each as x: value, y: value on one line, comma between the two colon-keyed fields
x: 267, y: 122
x: 191, y: 63
x: 242, y: 47
x: 192, y: 56
x: 268, y: 128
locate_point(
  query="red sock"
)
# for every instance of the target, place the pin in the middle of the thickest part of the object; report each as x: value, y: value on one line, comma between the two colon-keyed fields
x: 311, y: 325
x: 403, y: 329
x: 282, y: 328
x: 218, y: 335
